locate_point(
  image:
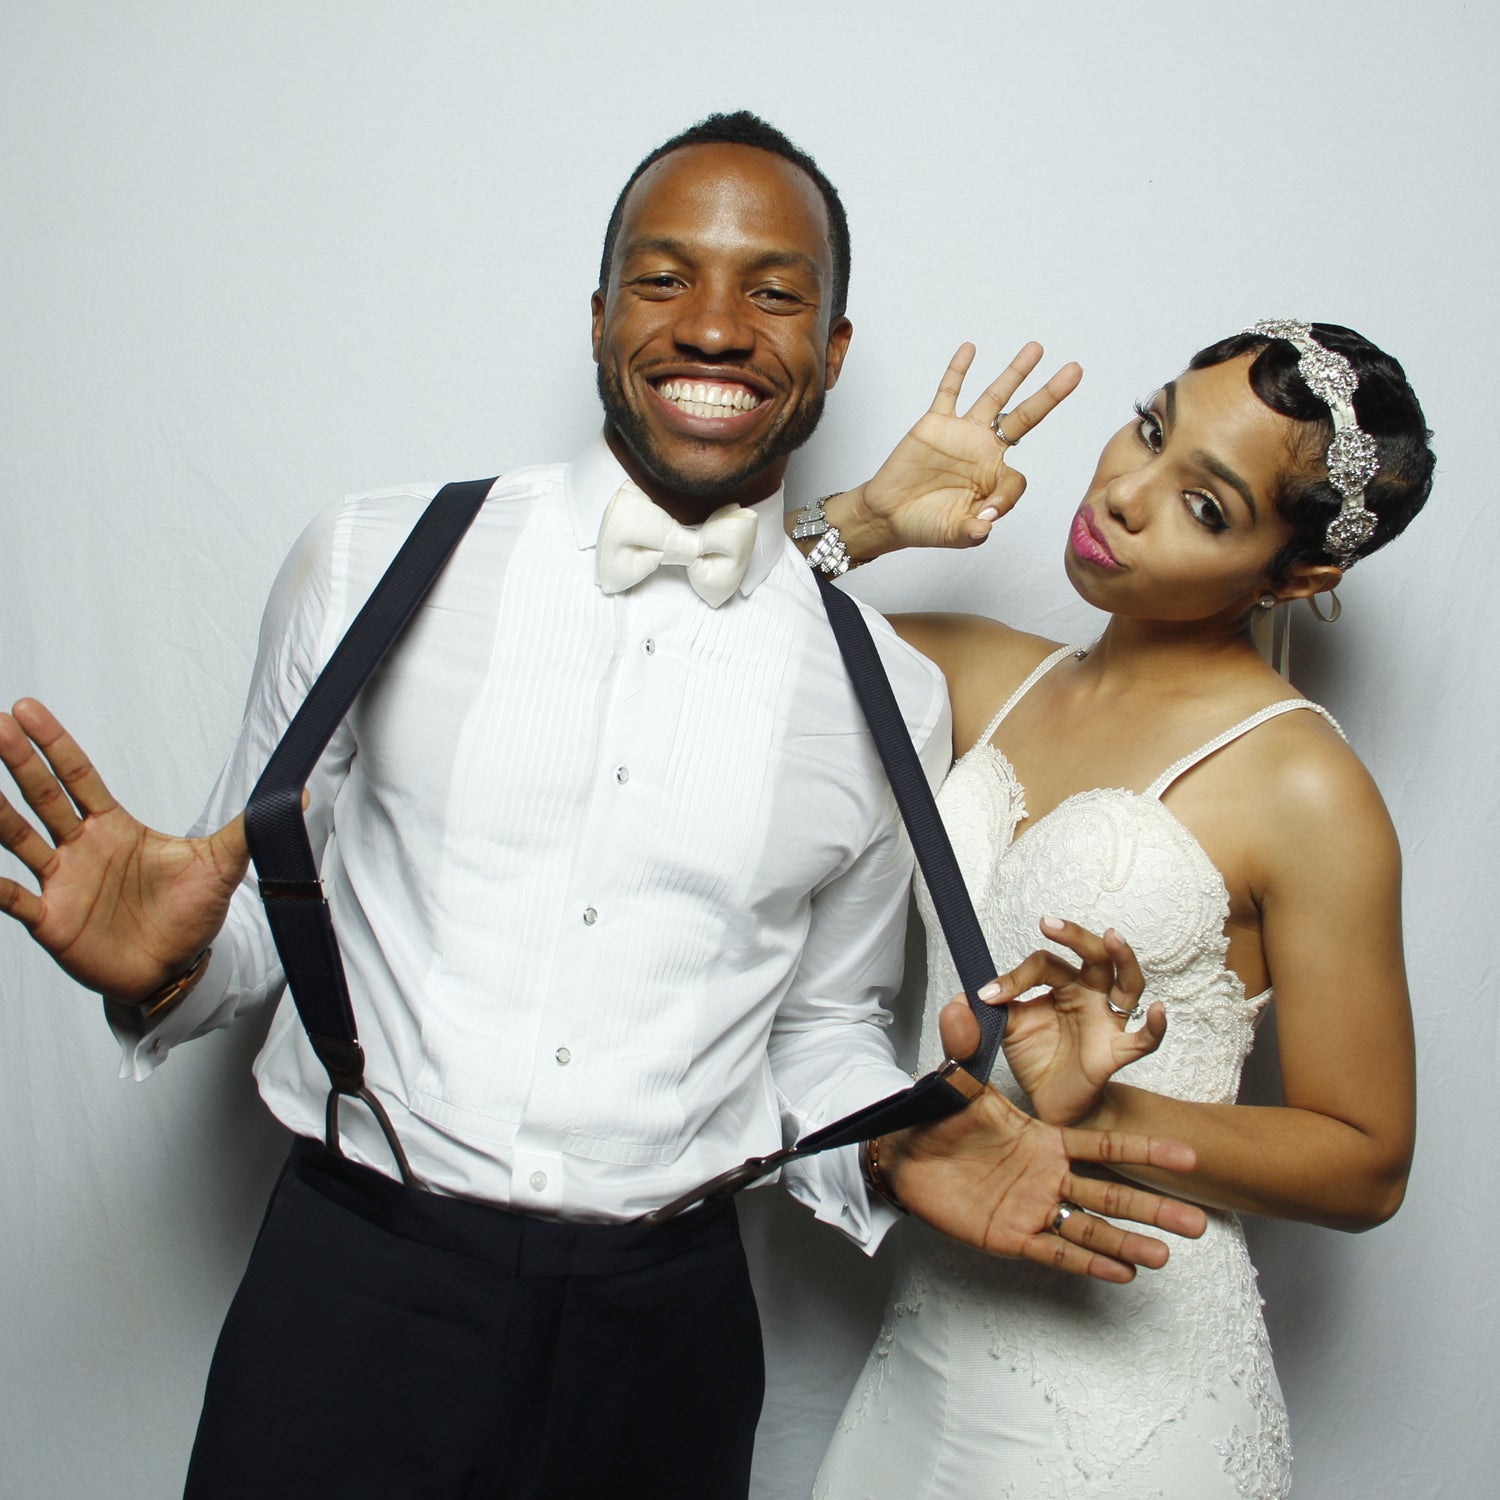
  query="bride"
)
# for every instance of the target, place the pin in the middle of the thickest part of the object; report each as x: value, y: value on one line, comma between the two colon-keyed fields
x: 1182, y: 833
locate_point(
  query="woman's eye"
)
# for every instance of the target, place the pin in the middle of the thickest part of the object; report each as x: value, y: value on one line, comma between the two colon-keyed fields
x: 1148, y: 429
x: 1206, y: 510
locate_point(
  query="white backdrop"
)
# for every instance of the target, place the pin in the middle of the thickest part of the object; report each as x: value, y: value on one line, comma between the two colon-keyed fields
x: 259, y: 256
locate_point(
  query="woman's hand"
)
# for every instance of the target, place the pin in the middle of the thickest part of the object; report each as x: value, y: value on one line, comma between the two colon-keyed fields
x: 996, y: 1178
x: 1064, y: 1046
x: 120, y: 907
x: 949, y: 480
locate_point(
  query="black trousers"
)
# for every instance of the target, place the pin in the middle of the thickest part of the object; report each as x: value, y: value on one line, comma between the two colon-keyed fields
x: 392, y: 1343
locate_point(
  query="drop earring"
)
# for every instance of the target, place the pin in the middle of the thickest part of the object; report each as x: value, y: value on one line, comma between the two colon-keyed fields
x: 1335, y: 608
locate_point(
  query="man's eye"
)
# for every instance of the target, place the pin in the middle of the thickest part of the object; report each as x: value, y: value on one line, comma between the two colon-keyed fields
x: 1206, y: 510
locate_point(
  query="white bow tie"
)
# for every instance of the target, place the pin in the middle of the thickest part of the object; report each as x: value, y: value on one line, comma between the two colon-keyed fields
x: 636, y: 536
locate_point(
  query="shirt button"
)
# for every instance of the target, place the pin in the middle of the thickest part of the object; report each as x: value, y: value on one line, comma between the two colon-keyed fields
x: 563, y: 1056
x: 538, y: 1182
x: 649, y: 646
x: 590, y: 916
x: 622, y: 774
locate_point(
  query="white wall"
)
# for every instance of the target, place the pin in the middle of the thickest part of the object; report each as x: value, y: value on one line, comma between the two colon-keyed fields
x: 258, y: 256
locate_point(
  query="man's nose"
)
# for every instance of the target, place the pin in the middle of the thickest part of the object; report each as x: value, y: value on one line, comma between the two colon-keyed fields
x: 713, y: 319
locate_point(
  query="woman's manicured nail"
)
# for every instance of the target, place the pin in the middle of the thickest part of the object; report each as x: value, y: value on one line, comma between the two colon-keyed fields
x: 1052, y: 924
x: 992, y: 992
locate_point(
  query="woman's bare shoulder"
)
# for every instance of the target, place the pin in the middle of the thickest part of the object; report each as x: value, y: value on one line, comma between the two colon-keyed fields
x: 983, y: 661
x: 1313, y: 795
x: 960, y: 641
x: 1308, y: 762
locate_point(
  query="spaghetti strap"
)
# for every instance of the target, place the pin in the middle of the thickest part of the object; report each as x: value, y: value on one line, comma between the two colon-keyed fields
x: 1159, y: 787
x: 1038, y: 672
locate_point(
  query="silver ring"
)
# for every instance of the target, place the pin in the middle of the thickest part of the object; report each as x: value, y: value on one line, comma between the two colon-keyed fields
x: 1065, y: 1211
x: 1120, y: 1011
x: 999, y: 432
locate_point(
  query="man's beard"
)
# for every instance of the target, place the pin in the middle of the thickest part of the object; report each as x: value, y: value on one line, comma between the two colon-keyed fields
x: 781, y: 440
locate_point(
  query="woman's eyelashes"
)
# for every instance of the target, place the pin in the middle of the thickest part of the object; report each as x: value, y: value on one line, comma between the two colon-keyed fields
x: 1148, y: 427
x: 1201, y: 506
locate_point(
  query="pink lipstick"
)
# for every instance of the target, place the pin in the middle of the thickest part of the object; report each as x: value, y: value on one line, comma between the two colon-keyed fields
x: 1087, y: 544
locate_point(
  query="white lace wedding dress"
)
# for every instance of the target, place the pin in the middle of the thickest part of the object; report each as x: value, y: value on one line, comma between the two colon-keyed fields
x: 998, y: 1378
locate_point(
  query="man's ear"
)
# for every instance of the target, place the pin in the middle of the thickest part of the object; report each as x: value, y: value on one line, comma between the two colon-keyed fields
x: 596, y: 313
x: 1303, y: 580
x: 838, y: 346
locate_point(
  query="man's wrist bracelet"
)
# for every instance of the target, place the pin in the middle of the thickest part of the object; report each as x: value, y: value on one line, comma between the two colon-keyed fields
x: 869, y: 1161
x: 165, y: 996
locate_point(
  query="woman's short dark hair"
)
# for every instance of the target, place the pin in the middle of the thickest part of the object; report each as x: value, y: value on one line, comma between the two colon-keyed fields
x: 1385, y: 407
x: 741, y: 128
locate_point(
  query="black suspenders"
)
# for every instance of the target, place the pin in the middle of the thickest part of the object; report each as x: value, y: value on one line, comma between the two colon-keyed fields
x: 302, y: 928
x: 296, y: 907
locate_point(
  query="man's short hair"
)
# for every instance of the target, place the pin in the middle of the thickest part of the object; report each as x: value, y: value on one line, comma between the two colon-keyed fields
x: 742, y: 128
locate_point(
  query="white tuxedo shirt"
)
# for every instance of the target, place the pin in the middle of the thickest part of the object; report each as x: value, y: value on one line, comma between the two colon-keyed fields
x: 618, y: 880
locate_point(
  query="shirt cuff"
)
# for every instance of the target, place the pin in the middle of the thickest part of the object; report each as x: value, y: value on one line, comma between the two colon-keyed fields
x: 143, y: 1046
x: 833, y: 1184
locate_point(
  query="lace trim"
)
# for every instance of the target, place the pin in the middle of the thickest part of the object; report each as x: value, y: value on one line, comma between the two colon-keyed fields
x: 1260, y: 1463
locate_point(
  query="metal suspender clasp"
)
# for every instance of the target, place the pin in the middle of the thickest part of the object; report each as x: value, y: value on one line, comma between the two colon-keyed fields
x: 957, y: 1076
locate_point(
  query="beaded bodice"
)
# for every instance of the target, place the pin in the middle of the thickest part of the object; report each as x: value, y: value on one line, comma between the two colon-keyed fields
x: 1106, y: 857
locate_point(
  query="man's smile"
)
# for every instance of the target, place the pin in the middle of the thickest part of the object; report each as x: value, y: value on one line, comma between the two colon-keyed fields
x: 699, y: 404
x: 700, y: 398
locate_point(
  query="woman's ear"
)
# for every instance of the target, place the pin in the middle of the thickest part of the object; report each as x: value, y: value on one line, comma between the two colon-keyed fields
x: 1303, y: 580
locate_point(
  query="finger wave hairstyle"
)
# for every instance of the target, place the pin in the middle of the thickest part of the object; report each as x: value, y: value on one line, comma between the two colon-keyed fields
x: 1386, y: 408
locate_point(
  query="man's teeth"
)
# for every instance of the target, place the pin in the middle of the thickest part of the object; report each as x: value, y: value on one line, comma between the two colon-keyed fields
x: 701, y: 399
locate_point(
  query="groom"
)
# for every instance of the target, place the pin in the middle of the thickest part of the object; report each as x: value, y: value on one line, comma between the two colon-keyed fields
x: 618, y: 886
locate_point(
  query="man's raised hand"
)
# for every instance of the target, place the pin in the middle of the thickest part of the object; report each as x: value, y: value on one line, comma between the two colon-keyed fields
x: 121, y: 907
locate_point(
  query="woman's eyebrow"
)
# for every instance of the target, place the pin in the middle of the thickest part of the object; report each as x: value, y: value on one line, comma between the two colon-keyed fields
x: 1221, y: 470
x: 1217, y: 467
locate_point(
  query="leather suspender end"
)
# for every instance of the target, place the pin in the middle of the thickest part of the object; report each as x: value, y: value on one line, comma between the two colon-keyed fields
x: 957, y: 1076
x: 344, y: 1061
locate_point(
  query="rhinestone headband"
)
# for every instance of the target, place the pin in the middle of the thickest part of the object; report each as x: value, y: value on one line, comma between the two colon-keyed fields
x: 1352, y: 458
